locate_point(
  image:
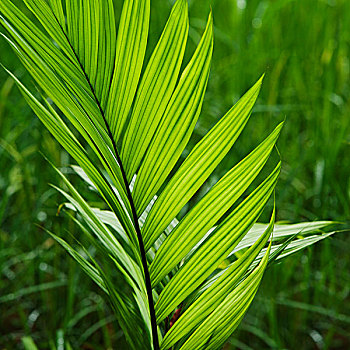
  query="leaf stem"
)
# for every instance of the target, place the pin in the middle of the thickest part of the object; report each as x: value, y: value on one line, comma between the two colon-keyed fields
x: 143, y: 258
x: 132, y: 205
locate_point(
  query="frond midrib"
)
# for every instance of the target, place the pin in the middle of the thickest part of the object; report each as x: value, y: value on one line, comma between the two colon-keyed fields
x: 129, y: 196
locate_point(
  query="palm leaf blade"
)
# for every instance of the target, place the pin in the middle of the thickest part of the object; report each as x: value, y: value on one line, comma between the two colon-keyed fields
x: 217, y: 292
x: 156, y: 88
x: 210, y: 209
x: 226, y: 317
x: 60, y: 131
x: 199, y: 164
x: 215, y: 249
x: 177, y: 125
x: 130, y: 51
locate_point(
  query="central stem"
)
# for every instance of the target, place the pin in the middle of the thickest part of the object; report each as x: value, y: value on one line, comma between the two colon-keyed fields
x: 136, y: 225
x: 132, y: 205
x: 135, y: 220
x: 143, y: 258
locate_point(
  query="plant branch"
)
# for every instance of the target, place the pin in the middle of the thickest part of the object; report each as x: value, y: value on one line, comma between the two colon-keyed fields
x: 132, y: 205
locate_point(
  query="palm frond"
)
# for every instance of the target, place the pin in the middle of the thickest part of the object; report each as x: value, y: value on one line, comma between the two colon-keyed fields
x: 127, y: 131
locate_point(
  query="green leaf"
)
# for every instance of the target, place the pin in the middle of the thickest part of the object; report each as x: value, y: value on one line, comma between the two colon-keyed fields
x: 130, y: 52
x: 28, y: 343
x: 128, y: 265
x: 87, y: 267
x: 53, y: 23
x: 222, y: 322
x: 66, y: 138
x: 92, y: 33
x: 281, y: 231
x: 156, y: 88
x: 134, y: 302
x: 200, y: 163
x: 127, y: 134
x: 216, y: 293
x: 210, y: 209
x: 215, y: 248
x: 57, y: 9
x: 65, y: 82
x: 277, y: 251
x: 297, y: 245
x: 177, y: 125
x: 83, y: 31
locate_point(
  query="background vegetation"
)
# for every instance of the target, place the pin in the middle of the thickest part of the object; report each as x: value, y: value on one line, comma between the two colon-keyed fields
x: 304, y: 48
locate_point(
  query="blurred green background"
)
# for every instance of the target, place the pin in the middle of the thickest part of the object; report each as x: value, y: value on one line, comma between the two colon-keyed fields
x: 304, y: 49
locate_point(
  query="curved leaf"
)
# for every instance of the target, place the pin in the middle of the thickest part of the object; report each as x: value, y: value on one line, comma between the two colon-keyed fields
x: 156, y: 88
x: 130, y: 52
x: 221, y: 323
x: 177, y: 124
x: 210, y: 209
x: 215, y: 248
x: 200, y: 163
x: 216, y: 293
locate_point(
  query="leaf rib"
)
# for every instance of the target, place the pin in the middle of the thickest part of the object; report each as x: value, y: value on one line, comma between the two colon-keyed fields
x: 134, y: 214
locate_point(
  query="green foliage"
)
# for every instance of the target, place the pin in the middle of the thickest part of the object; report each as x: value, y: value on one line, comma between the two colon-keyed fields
x: 164, y: 264
x: 29, y: 344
